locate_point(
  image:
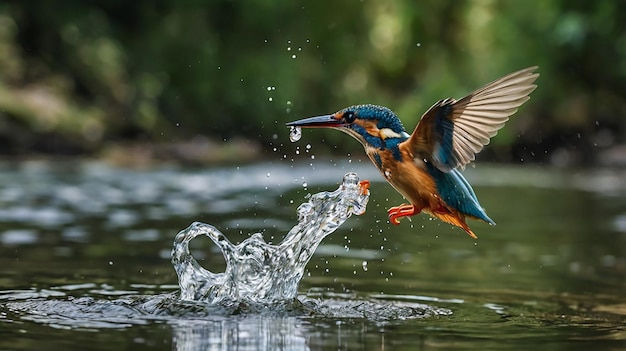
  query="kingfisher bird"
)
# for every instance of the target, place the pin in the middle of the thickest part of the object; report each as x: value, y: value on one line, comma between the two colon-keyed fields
x: 425, y: 166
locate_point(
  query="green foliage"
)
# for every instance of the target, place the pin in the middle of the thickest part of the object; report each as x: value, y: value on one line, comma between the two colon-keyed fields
x: 167, y: 70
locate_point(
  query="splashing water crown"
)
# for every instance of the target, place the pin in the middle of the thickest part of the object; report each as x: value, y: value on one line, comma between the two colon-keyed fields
x: 259, y: 272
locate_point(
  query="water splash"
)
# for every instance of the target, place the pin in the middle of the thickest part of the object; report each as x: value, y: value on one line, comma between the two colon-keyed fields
x: 295, y: 133
x: 259, y: 272
x: 259, y: 286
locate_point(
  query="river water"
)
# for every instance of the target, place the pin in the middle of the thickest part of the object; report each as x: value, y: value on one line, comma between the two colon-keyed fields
x: 86, y: 250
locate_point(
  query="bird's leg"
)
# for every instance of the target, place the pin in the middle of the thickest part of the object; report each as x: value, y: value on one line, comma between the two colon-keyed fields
x: 364, y: 185
x: 404, y: 210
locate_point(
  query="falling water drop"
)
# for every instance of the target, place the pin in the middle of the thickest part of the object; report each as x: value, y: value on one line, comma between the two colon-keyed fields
x: 295, y: 133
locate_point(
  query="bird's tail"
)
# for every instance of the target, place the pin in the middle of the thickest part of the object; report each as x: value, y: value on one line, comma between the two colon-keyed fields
x: 454, y: 218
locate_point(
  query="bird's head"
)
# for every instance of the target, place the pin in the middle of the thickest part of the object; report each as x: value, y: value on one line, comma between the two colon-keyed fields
x: 371, y: 125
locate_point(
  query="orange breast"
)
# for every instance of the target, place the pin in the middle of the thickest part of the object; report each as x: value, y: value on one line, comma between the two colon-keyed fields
x: 408, y: 177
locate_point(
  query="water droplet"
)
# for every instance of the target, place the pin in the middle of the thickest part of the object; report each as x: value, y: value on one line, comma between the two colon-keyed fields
x: 268, y: 174
x: 304, y: 185
x: 293, y: 56
x: 270, y: 99
x: 295, y: 133
x: 364, y: 265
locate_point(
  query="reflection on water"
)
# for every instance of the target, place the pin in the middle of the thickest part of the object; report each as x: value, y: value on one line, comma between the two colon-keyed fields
x: 85, y: 240
x: 252, y: 333
x: 291, y: 325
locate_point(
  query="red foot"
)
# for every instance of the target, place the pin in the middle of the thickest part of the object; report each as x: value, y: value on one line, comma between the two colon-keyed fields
x: 364, y: 185
x: 395, y: 213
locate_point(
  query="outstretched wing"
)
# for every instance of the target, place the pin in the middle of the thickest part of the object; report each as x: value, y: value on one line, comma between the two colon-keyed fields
x: 452, y: 132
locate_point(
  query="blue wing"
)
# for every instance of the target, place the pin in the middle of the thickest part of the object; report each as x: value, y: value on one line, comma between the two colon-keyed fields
x: 452, y: 131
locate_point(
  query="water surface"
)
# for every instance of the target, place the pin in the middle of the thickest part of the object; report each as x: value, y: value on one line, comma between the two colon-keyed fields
x: 77, y: 235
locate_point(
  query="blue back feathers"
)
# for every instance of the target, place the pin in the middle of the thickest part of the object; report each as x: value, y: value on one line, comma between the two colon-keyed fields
x: 458, y: 193
x: 444, y: 130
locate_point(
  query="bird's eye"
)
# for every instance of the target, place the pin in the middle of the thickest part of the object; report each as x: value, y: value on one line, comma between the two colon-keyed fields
x: 349, y: 116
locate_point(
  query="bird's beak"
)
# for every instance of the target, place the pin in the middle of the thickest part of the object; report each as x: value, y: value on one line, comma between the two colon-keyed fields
x: 325, y: 121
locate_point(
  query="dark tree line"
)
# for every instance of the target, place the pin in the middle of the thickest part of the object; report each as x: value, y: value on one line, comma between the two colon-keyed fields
x: 76, y: 75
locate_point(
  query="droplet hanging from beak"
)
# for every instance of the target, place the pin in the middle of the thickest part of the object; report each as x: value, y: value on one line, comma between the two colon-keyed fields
x: 295, y: 133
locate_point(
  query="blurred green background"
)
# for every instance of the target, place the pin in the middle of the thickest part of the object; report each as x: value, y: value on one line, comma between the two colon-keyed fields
x: 217, y: 80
